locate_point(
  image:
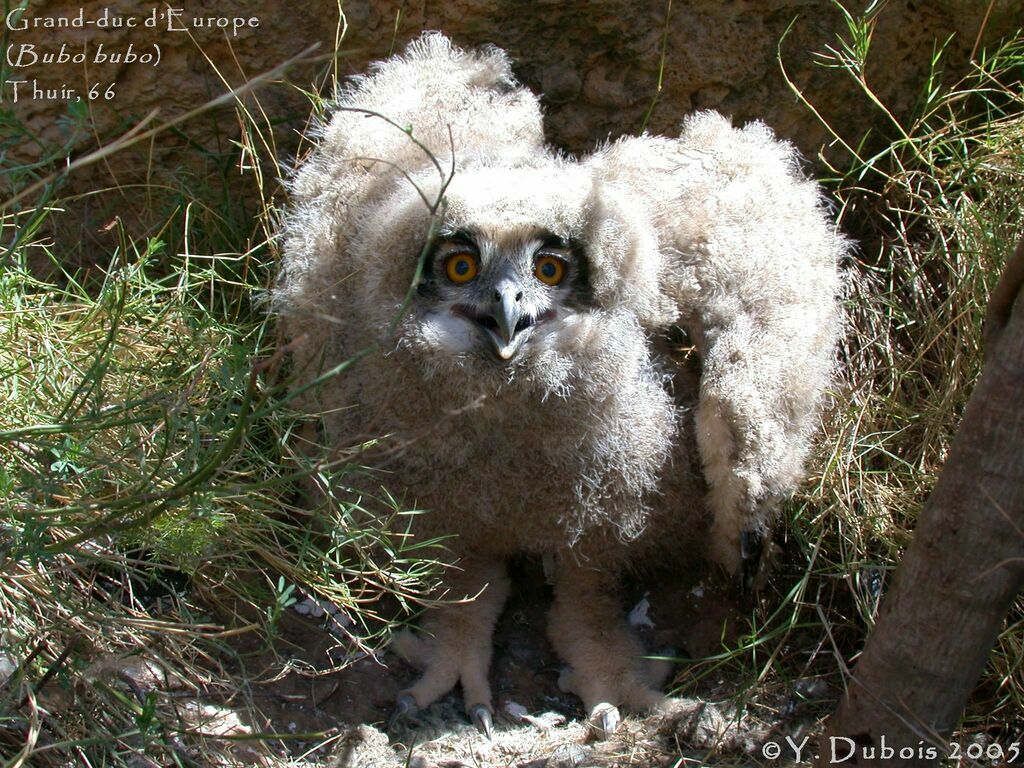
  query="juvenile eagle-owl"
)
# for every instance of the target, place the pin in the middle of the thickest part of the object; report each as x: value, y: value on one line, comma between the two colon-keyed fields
x: 529, y: 385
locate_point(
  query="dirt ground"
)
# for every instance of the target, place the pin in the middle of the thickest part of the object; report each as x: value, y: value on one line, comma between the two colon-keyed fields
x: 537, y: 725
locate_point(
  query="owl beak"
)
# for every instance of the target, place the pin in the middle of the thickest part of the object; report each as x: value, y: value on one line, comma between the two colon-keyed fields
x: 503, y: 319
x: 507, y: 312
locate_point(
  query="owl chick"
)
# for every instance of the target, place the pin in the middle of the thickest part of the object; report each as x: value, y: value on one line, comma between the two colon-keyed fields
x: 521, y: 306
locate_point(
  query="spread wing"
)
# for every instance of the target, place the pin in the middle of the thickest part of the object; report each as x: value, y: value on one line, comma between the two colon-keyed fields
x: 747, y: 256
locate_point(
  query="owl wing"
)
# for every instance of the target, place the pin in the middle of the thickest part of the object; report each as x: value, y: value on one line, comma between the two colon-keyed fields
x: 411, y: 113
x: 747, y: 259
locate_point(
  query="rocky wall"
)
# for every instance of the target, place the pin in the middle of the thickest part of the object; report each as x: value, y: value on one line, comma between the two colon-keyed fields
x: 115, y: 63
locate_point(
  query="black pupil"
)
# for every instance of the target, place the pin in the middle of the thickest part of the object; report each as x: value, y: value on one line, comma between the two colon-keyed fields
x: 461, y: 266
x: 548, y: 269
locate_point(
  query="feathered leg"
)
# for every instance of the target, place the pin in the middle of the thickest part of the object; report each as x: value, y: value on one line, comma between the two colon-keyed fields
x: 587, y: 628
x: 456, y: 644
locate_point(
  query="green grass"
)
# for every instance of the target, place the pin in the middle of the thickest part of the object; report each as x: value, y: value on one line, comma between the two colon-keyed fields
x: 938, y: 211
x: 151, y: 482
x: 145, y: 453
x: 150, y: 485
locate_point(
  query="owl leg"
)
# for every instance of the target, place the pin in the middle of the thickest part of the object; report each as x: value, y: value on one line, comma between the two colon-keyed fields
x: 587, y: 628
x: 455, y: 645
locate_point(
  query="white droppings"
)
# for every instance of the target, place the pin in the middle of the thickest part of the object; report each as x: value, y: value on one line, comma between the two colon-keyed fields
x: 638, y: 616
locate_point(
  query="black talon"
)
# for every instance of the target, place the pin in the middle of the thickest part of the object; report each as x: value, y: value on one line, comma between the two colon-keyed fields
x: 751, y: 548
x: 480, y: 715
x: 405, y: 707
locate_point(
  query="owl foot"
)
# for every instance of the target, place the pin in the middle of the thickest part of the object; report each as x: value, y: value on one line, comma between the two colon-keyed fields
x: 620, y: 680
x: 740, y: 551
x: 405, y: 713
x: 455, y: 646
x: 588, y: 629
x: 480, y: 714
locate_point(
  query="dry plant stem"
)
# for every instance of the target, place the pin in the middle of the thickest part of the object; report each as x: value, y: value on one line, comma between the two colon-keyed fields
x: 960, y: 575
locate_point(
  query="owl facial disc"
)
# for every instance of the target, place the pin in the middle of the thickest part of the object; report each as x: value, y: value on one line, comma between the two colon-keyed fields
x: 488, y: 291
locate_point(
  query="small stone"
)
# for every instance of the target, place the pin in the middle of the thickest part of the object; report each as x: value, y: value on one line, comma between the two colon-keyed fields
x: 366, y: 747
x: 7, y: 667
x: 515, y: 710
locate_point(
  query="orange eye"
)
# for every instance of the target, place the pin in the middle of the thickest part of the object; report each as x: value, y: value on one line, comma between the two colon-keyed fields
x: 460, y: 267
x: 550, y: 270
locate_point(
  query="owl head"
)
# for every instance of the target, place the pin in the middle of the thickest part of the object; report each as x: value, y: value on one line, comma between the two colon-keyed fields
x: 531, y: 272
x: 506, y: 275
x: 529, y: 245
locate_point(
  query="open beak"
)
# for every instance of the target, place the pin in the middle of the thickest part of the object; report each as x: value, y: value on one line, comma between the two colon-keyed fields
x: 507, y: 320
x: 503, y: 319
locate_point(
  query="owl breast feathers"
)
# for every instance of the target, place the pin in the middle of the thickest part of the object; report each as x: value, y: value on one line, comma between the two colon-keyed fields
x: 526, y: 313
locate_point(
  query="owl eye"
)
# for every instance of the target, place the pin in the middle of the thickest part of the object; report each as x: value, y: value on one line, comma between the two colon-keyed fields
x: 550, y: 270
x: 460, y: 267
